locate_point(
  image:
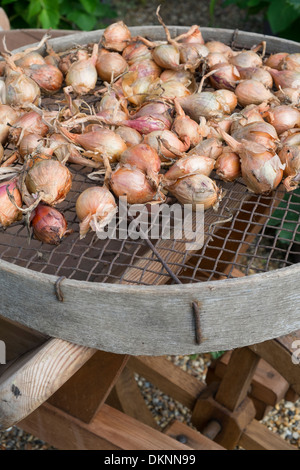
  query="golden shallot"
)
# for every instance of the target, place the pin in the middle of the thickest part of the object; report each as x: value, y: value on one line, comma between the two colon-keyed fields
x: 198, y: 190
x: 228, y: 165
x: 116, y: 37
x: 95, y: 208
x: 49, y: 181
x: 9, y: 212
x: 133, y: 184
x: 283, y: 117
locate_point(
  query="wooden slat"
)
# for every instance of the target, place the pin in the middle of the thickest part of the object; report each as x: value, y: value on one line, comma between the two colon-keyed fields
x: 34, y: 377
x: 192, y: 438
x: 172, y: 380
x: 257, y: 437
x: 18, y: 339
x: 267, y: 384
x: 280, y: 357
x: 235, y: 384
x: 109, y: 430
x: 86, y: 391
x: 131, y: 400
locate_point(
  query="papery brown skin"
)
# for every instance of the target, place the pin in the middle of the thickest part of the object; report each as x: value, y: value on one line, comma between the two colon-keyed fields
x: 283, y: 118
x: 100, y: 141
x: 8, y: 116
x: 211, y: 148
x: 256, y: 73
x: 190, y: 164
x: 246, y: 59
x: 167, y: 56
x: 286, y: 78
x: 135, y: 52
x: 110, y: 65
x: 129, y: 135
x: 185, y: 127
x: 290, y: 156
x: 95, y: 208
x: 116, y: 36
x: 30, y: 59
x: 260, y: 132
x: 215, y: 58
x: 164, y: 142
x: 274, y: 60
x: 291, y: 62
x: 72, y: 57
x: 143, y: 157
x: 48, y: 225
x: 288, y: 96
x: 30, y: 143
x: 228, y: 165
x: 262, y: 170
x: 253, y: 92
x: 9, y: 213
x: 48, y: 77
x: 147, y: 124
x: 29, y: 123
x: 82, y: 75
x: 208, y: 104
x: 50, y: 178
x: 198, y: 190
x: 21, y: 90
x: 225, y: 76
x: 218, y: 46
x: 133, y: 184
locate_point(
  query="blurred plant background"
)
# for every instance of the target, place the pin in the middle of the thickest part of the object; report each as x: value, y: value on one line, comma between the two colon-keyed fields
x: 278, y: 17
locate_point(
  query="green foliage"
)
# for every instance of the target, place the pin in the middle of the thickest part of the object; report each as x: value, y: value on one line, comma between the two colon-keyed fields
x: 85, y: 15
x: 217, y: 354
x: 283, y: 15
x: 286, y: 218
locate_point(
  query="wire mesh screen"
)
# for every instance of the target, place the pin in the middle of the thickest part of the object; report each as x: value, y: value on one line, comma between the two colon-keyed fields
x: 248, y: 234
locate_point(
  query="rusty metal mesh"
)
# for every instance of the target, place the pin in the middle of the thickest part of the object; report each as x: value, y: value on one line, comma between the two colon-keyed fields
x: 250, y: 240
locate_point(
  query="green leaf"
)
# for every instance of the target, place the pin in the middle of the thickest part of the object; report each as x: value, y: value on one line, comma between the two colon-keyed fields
x: 49, y: 18
x: 280, y: 15
x: 295, y: 4
x: 6, y: 2
x: 217, y: 354
x: 84, y: 21
x: 89, y: 5
x: 34, y: 9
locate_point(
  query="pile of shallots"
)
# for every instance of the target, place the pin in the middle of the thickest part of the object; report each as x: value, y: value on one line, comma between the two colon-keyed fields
x: 156, y: 118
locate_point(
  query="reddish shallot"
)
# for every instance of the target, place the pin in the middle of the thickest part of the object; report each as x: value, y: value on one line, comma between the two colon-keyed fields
x: 48, y: 225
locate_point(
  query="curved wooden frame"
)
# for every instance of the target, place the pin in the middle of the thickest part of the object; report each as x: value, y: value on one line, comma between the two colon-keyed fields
x: 157, y: 320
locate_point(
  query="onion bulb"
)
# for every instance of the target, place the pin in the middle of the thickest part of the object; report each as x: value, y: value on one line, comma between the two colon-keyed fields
x: 144, y: 158
x: 48, y: 77
x: 98, y: 142
x: 260, y: 132
x: 129, y: 135
x: 95, y: 208
x: 28, y: 123
x: 225, y: 76
x: 283, y: 117
x: 228, y: 165
x: 189, y: 165
x: 82, y: 75
x: 262, y: 170
x: 211, y: 148
x: 49, y: 179
x: 209, y: 104
x: 275, y: 60
x: 133, y: 184
x: 185, y: 127
x: 198, y: 190
x: 9, y: 212
x: 21, y: 90
x: 290, y: 157
x: 116, y: 37
x: 166, y: 144
x: 253, y: 92
x: 135, y: 52
x: 8, y: 116
x: 48, y: 225
x: 110, y: 65
x: 286, y: 78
